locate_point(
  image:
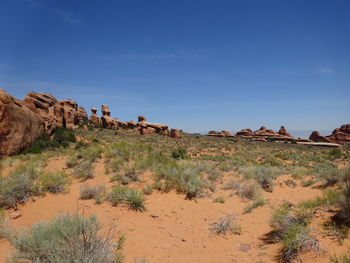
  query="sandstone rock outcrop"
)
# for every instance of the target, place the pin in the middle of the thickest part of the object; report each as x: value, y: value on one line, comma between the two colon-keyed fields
x: 339, y: 135
x: 221, y: 134
x: 94, y: 119
x: 143, y: 125
x: 175, y: 133
x: 55, y: 113
x: 245, y: 132
x: 19, y: 126
x: 107, y: 121
x: 317, y: 137
x: 282, y: 131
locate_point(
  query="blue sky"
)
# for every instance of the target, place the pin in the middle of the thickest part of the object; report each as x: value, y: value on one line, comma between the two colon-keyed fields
x: 195, y: 65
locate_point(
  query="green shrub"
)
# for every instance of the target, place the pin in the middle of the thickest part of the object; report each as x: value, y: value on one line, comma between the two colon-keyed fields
x: 64, y: 136
x: 179, y: 153
x: 147, y: 190
x: 18, y: 186
x: 67, y: 238
x: 129, y: 197
x: 340, y: 259
x: 328, y: 173
x: 53, y: 182
x: 226, y: 225
x: 344, y: 200
x: 219, y: 199
x: 289, y: 226
x: 84, y: 170
x: 255, y: 204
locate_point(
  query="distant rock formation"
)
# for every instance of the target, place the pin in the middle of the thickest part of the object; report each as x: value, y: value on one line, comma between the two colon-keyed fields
x: 339, y: 136
x: 245, y: 132
x: 19, y: 126
x: 317, y: 137
x: 221, y: 134
x: 282, y: 131
x: 146, y: 127
x: 175, y: 133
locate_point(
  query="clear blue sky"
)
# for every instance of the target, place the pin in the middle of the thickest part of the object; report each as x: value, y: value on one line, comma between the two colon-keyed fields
x: 195, y: 65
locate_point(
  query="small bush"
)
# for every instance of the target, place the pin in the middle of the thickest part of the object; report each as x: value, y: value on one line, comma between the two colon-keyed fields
x: 64, y: 136
x: 249, y: 191
x: 130, y: 197
x: 147, y: 190
x: 179, y: 153
x: 255, y: 204
x: 344, y: 200
x: 84, y: 170
x: 328, y: 173
x: 53, y: 182
x: 219, y: 199
x: 67, y: 238
x: 18, y: 186
x: 226, y: 225
x: 307, y: 183
x: 92, y: 192
x: 340, y: 259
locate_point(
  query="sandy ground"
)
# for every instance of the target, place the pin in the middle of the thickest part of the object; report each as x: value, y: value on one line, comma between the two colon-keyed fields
x: 174, y: 229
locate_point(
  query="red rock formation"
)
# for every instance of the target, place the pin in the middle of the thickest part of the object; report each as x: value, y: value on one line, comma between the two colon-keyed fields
x: 245, y: 132
x: 19, y: 126
x: 282, y: 131
x: 175, y: 133
x: 94, y: 119
x: 55, y: 113
x: 263, y: 131
x: 141, y: 118
x: 316, y: 137
x: 228, y: 134
x: 131, y: 124
x: 159, y: 128
x: 340, y: 135
x: 147, y: 130
x: 107, y: 121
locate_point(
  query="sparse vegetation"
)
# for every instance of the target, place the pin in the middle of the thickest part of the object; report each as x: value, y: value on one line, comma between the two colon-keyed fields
x: 226, y: 225
x: 67, y: 238
x: 129, y: 197
x: 96, y: 192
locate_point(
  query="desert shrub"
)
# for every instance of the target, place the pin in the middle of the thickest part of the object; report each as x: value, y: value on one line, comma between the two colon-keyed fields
x: 328, y: 173
x: 147, y: 190
x: 18, y: 186
x: 290, y: 183
x: 308, y: 182
x: 41, y: 143
x: 219, y: 199
x: 255, y: 204
x: 232, y: 184
x: 179, y: 153
x: 80, y: 144
x: 53, y: 182
x: 344, y: 200
x: 67, y: 238
x: 84, y: 170
x: 264, y: 175
x: 64, y: 136
x: 340, y: 259
x: 290, y: 227
x: 184, y: 178
x: 129, y: 197
x: 335, y: 153
x: 92, y: 192
x: 329, y: 197
x: 249, y: 191
x: 226, y: 225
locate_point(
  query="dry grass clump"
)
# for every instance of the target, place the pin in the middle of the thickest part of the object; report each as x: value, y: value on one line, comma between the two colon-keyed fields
x: 129, y: 197
x: 96, y: 192
x: 66, y: 238
x: 226, y: 224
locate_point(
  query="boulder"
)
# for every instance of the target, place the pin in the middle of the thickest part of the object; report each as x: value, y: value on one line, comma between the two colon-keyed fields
x: 316, y: 137
x: 147, y: 130
x: 340, y: 135
x: 215, y: 134
x: 263, y: 131
x: 175, y: 133
x: 19, y: 126
x: 141, y: 118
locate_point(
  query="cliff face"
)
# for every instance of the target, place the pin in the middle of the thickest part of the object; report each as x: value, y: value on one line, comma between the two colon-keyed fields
x: 22, y: 121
